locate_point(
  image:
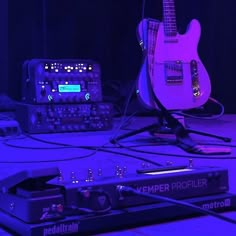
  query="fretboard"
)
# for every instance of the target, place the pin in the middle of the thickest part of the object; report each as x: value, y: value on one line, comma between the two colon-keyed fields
x: 169, y: 18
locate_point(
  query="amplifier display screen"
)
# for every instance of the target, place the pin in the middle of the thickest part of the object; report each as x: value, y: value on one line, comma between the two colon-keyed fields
x: 69, y: 88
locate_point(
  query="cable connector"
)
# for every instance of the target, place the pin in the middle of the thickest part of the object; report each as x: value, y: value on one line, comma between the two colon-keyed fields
x: 124, y: 191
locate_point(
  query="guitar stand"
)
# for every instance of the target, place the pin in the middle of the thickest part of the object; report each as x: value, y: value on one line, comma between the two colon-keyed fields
x: 183, y: 139
x: 147, y: 35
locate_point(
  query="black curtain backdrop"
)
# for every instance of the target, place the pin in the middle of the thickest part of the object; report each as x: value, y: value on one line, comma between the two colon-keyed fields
x: 105, y: 30
x: 3, y: 46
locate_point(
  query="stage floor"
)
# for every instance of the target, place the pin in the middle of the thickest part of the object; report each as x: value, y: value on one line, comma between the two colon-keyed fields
x: 70, y: 155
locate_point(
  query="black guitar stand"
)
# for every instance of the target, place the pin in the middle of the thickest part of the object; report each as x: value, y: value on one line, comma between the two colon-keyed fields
x: 183, y: 140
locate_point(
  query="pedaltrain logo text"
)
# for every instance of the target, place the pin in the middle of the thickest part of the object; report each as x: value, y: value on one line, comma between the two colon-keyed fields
x: 62, y: 229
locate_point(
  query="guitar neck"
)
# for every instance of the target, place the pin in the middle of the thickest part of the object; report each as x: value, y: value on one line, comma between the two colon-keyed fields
x: 169, y: 18
x: 152, y: 37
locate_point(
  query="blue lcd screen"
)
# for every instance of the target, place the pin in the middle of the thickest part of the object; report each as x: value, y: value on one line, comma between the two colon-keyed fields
x: 69, y: 88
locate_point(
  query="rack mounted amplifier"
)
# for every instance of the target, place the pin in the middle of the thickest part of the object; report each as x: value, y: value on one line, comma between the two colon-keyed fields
x: 61, y: 81
x: 54, y: 118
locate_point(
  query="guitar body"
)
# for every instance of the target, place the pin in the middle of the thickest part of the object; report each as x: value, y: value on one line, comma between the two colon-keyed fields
x: 171, y: 67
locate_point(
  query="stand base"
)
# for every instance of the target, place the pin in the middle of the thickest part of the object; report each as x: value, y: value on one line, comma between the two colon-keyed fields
x: 183, y: 140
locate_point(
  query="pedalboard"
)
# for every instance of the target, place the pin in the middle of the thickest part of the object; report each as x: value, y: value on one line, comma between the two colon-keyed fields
x: 53, y: 118
x: 175, y: 182
x: 61, y: 81
x: 119, y: 219
x: 41, y: 202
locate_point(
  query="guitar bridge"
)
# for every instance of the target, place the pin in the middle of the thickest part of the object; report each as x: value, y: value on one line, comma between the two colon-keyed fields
x: 174, y: 72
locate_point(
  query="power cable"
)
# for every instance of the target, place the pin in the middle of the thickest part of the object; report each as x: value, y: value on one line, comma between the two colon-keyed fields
x: 132, y: 191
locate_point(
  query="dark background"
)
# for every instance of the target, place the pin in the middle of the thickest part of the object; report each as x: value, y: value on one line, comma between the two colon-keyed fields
x: 105, y: 31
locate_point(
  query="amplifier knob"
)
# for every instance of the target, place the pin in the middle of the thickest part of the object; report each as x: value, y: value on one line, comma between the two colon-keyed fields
x: 39, y: 117
x: 51, y: 127
x: 50, y: 114
x: 75, y: 127
x: 74, y: 99
x: 69, y: 127
x: 68, y: 99
x: 43, y: 91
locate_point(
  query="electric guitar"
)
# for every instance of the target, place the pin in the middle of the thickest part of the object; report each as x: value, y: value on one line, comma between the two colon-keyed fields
x: 171, y: 68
